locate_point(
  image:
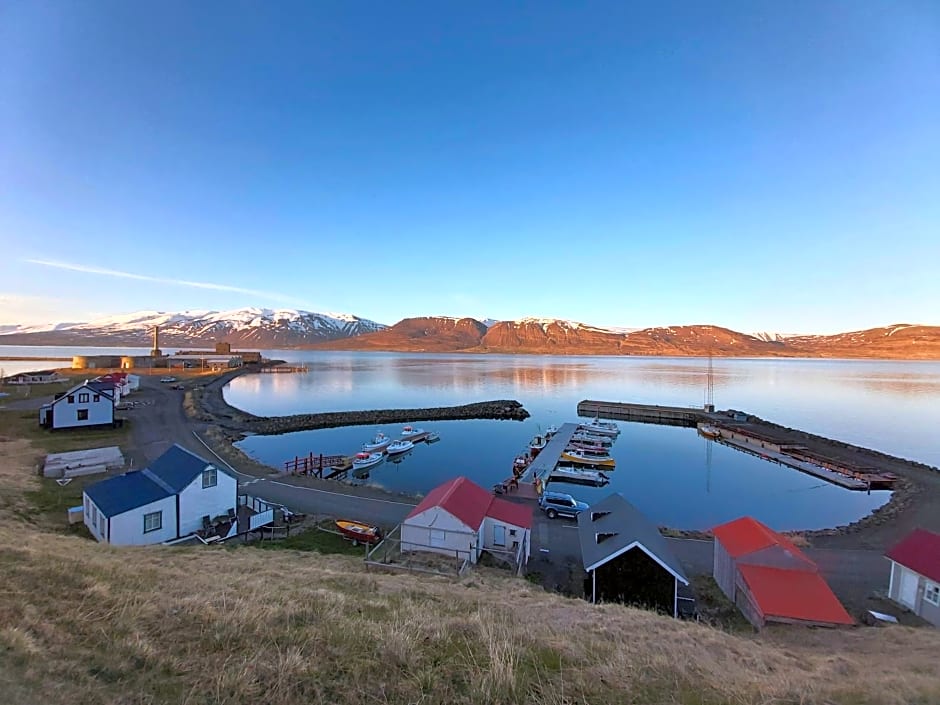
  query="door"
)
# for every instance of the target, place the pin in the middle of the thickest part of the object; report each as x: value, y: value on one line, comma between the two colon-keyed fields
x: 908, y: 593
x: 499, y: 535
x: 438, y: 537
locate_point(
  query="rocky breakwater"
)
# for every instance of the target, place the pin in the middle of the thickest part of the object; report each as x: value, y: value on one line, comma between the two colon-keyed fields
x: 207, y: 404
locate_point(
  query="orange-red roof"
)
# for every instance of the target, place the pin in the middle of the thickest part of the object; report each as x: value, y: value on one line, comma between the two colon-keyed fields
x: 919, y: 551
x: 747, y: 535
x: 793, y: 594
x: 470, y: 503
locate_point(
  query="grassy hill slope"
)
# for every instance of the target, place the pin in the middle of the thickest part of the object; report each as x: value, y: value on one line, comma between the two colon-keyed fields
x: 86, y: 623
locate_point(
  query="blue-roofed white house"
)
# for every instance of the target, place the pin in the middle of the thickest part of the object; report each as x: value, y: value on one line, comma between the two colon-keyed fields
x: 167, y: 500
x: 80, y: 407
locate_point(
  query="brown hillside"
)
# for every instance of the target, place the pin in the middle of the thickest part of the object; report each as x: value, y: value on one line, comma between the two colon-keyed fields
x: 900, y: 341
x: 562, y: 337
x: 425, y: 334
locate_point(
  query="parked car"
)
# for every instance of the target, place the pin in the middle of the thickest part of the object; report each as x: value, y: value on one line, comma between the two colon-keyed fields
x: 560, y: 504
x: 167, y: 380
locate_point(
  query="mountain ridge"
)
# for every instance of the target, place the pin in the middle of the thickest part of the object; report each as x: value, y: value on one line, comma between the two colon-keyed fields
x: 292, y: 328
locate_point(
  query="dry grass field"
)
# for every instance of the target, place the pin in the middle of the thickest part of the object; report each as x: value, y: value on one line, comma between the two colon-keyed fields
x: 83, y: 623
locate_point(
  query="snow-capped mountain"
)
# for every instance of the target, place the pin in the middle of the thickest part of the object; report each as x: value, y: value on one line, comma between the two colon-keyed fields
x: 770, y: 337
x: 247, y: 327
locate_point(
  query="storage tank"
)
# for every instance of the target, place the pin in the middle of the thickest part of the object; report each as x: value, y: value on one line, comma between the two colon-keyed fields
x: 127, y: 362
x: 79, y: 362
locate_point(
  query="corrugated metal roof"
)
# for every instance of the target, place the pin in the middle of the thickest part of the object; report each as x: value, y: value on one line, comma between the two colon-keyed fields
x: 919, y: 551
x: 461, y: 497
x: 793, y: 594
x: 122, y: 493
x: 510, y: 512
x: 625, y: 527
x: 747, y: 535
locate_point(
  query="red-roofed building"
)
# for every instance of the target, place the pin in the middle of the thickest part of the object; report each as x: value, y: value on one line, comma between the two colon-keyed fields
x: 915, y: 574
x: 770, y: 579
x: 461, y: 519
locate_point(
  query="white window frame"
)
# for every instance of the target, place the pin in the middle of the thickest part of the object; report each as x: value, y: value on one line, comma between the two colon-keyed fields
x: 210, y: 477
x: 83, y: 398
x: 159, y: 521
x: 934, y: 590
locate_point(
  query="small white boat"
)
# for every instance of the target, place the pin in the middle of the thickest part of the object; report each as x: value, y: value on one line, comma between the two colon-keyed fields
x: 537, y: 444
x: 579, y: 476
x: 397, y: 447
x: 589, y: 445
x: 585, y: 437
x: 411, y: 433
x: 379, y: 442
x: 589, y: 457
x: 551, y: 431
x: 602, y: 428
x: 366, y: 460
x: 709, y: 430
x: 432, y: 438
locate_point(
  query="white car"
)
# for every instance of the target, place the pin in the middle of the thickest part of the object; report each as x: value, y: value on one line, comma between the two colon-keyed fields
x: 168, y: 380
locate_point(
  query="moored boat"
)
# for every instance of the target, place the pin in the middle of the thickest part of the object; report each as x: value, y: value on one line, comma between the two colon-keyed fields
x: 709, y: 430
x: 411, y: 433
x: 602, y: 428
x: 588, y: 457
x: 379, y: 442
x: 398, y: 447
x: 432, y: 438
x: 366, y: 460
x: 579, y: 476
x: 585, y: 437
x: 358, y: 531
x: 537, y: 444
x: 589, y: 445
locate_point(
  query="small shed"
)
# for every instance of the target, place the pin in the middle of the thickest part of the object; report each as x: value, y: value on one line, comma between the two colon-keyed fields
x: 915, y: 574
x: 459, y: 518
x: 770, y: 579
x: 626, y: 557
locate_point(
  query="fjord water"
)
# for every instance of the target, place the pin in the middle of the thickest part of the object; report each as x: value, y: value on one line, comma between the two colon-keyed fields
x: 676, y: 477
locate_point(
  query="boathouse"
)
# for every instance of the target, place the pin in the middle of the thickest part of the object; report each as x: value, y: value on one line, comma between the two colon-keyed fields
x: 459, y: 518
x: 915, y: 574
x: 771, y: 580
x: 627, y: 559
x: 177, y: 495
x: 80, y: 407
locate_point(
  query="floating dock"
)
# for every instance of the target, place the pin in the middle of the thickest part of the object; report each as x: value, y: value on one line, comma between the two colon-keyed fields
x: 543, y: 465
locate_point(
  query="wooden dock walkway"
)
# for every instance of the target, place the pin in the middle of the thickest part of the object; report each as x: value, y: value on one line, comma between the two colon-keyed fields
x: 548, y: 457
x: 315, y: 464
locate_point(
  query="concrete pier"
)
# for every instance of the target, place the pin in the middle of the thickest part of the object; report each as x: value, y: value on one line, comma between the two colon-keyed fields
x: 644, y: 413
x: 548, y: 457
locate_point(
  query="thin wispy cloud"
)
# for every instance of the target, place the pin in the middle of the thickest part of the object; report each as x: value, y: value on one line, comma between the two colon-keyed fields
x: 102, y: 271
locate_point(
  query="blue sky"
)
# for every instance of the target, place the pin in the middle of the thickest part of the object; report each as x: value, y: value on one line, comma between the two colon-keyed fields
x: 758, y: 165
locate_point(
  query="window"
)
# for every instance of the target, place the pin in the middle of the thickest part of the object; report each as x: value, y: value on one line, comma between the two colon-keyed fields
x: 932, y: 594
x: 71, y: 398
x: 83, y: 398
x: 210, y: 477
x: 97, y: 397
x: 101, y: 525
x: 94, y: 514
x: 87, y: 507
x: 82, y: 414
x: 153, y: 522
x: 512, y: 532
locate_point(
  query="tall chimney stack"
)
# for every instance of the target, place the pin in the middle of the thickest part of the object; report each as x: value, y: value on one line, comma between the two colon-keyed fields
x: 156, y: 343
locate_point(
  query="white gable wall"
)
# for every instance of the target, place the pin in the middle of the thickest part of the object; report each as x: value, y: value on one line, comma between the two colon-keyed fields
x: 65, y: 414
x: 494, y: 529
x: 438, y: 531
x: 127, y: 529
x: 196, y: 502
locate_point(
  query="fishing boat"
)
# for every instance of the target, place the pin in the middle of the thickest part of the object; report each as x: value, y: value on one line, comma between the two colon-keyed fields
x: 379, y: 442
x: 601, y: 428
x: 366, y: 460
x: 399, y: 447
x: 589, y: 457
x: 580, y: 477
x: 551, y: 431
x: 589, y: 445
x: 358, y: 531
x: 432, y: 438
x: 519, y: 464
x: 413, y: 434
x: 537, y: 444
x: 709, y: 430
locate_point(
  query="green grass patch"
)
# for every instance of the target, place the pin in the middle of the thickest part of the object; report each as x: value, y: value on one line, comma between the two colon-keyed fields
x: 25, y: 424
x: 313, y: 539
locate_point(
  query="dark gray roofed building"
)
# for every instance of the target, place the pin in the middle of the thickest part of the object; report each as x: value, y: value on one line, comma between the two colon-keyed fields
x: 626, y: 557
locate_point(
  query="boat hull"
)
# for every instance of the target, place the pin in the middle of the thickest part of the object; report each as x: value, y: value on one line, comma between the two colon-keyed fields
x: 399, y: 447
x: 601, y: 462
x: 358, y: 532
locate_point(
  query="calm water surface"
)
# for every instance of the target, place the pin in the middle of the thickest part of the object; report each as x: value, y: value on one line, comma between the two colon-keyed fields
x: 672, y: 474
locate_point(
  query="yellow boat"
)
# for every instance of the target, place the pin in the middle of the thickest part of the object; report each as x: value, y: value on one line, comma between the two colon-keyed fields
x: 583, y: 456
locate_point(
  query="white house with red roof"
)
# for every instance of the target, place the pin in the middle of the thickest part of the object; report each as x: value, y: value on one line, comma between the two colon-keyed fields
x: 915, y: 574
x: 461, y: 519
x: 770, y: 579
